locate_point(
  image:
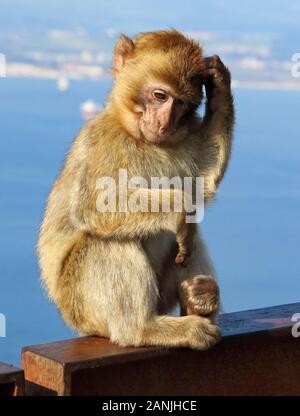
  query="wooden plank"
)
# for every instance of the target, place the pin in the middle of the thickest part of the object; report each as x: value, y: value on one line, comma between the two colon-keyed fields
x: 11, y: 380
x: 257, y: 355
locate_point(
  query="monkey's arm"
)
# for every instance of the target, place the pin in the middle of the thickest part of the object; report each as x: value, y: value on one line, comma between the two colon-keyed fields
x: 87, y: 215
x: 217, y: 125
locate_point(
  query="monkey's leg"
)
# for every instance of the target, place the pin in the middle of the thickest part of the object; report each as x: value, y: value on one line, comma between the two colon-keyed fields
x: 119, y: 298
x: 197, y: 286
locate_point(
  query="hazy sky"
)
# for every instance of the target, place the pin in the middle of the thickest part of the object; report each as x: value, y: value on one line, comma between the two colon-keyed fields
x: 136, y: 15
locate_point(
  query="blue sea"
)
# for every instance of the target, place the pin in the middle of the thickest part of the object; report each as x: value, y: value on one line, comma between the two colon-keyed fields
x: 252, y: 230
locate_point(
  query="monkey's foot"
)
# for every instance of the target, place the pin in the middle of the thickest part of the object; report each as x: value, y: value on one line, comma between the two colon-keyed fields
x: 202, y: 334
x: 201, y: 295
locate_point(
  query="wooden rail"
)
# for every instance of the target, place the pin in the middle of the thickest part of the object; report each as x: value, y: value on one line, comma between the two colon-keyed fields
x: 11, y: 380
x: 257, y: 356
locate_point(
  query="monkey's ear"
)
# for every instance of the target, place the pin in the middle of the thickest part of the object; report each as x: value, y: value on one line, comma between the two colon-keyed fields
x: 123, y: 50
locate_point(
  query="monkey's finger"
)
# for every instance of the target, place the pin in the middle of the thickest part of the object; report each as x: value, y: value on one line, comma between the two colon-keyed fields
x: 213, y: 62
x: 208, y: 73
x: 179, y: 258
x: 182, y: 258
x: 213, y: 72
x: 214, y: 77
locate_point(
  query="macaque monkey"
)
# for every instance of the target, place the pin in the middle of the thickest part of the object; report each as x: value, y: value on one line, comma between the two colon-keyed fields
x: 117, y: 274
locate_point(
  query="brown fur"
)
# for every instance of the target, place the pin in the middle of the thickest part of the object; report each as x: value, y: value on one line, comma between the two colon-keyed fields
x: 112, y: 274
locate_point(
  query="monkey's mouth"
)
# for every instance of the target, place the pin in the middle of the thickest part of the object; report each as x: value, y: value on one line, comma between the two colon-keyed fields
x: 154, y: 136
x: 160, y: 138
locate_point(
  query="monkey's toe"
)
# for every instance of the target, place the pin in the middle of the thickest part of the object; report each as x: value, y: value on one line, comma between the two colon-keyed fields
x: 201, y: 295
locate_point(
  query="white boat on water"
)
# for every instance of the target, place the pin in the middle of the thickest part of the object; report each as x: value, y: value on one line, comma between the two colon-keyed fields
x: 89, y: 109
x: 63, y: 84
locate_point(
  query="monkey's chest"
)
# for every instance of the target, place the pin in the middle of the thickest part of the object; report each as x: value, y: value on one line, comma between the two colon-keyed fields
x: 178, y: 165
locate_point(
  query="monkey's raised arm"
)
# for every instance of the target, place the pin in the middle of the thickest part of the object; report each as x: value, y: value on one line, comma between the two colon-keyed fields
x: 217, y: 125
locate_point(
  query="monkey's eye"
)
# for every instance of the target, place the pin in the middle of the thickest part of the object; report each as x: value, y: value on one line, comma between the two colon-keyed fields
x: 160, y: 95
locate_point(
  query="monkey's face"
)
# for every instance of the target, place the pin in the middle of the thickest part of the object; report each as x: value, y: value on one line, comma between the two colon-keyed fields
x: 162, y: 95
x: 159, y: 78
x: 162, y: 113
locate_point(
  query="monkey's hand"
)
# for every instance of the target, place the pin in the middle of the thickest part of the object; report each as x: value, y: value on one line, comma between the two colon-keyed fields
x: 217, y: 80
x: 186, y: 242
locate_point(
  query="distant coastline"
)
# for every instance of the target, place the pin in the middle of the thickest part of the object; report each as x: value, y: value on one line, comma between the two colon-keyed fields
x: 256, y: 60
x: 265, y: 85
x: 94, y: 73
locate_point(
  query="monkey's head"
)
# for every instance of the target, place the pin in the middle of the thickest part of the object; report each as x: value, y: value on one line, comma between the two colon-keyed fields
x: 158, y: 84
